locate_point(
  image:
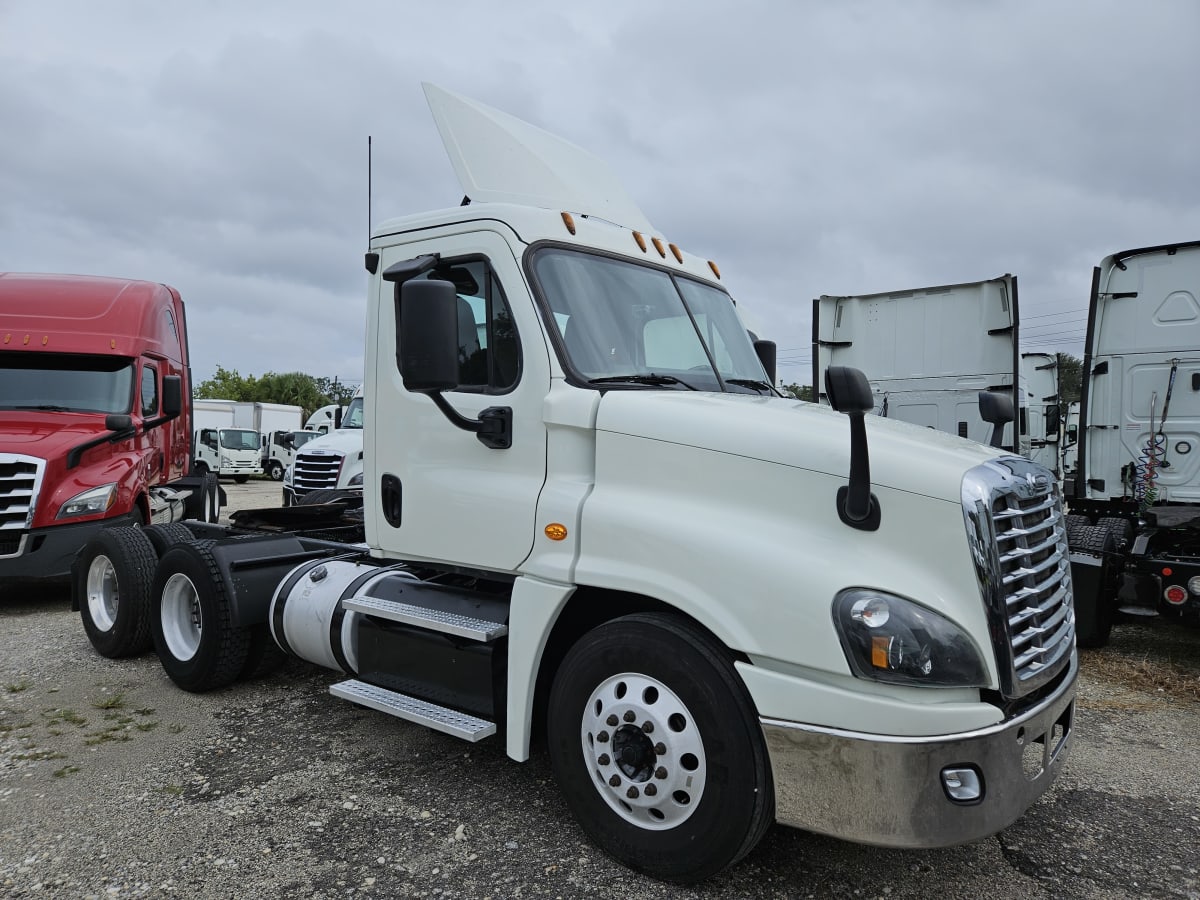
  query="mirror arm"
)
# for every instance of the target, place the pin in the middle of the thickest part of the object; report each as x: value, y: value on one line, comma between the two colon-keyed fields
x: 493, y: 428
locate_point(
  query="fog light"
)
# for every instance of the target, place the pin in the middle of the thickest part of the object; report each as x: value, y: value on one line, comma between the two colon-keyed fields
x: 1175, y: 595
x: 1194, y: 584
x: 962, y: 785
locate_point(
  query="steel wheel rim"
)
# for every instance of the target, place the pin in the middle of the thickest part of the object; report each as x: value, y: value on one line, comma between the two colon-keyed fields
x: 182, y: 620
x: 644, y: 750
x: 103, y: 593
x: 208, y: 505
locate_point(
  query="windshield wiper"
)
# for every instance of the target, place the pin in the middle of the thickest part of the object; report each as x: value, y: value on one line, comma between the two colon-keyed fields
x: 750, y: 383
x: 642, y: 379
x: 45, y: 407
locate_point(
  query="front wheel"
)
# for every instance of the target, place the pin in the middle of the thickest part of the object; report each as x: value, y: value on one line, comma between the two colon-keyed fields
x: 275, y: 470
x: 112, y: 584
x: 657, y: 748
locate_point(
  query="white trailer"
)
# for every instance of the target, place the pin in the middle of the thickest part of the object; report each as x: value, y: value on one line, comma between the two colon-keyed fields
x: 587, y: 513
x: 1042, y: 408
x: 928, y: 353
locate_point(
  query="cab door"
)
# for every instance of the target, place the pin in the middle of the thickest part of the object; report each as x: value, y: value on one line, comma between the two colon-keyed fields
x: 434, y: 491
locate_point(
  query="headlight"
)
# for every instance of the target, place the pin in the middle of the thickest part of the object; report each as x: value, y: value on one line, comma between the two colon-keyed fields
x: 90, y: 502
x: 225, y: 462
x: 356, y: 480
x: 888, y: 638
x: 287, y: 474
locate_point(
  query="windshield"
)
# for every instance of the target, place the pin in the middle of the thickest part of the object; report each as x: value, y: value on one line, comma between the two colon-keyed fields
x: 66, y: 382
x: 300, y: 438
x: 619, y: 319
x: 240, y: 439
x: 354, y: 414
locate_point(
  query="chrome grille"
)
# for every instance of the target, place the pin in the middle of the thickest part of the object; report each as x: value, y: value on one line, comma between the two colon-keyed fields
x: 20, y: 478
x: 1016, y: 527
x: 315, y: 471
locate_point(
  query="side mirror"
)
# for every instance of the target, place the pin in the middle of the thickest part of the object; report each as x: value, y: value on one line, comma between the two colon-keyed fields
x: 427, y: 336
x: 116, y: 422
x: 996, y: 408
x: 337, y: 421
x: 766, y: 356
x: 849, y: 392
x: 1073, y: 434
x: 172, y: 395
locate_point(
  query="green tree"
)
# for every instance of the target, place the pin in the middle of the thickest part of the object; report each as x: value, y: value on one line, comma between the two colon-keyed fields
x: 799, y: 391
x: 1070, y: 377
x: 335, y: 391
x: 292, y: 388
x: 227, y: 384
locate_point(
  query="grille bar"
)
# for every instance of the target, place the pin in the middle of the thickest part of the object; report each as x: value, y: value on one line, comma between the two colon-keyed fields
x: 20, y: 481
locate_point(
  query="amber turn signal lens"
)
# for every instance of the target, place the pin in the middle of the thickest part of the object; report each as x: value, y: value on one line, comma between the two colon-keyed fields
x: 569, y: 221
x: 556, y: 532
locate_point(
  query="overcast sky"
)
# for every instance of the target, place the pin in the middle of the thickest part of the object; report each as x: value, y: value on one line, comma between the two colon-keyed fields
x: 808, y: 148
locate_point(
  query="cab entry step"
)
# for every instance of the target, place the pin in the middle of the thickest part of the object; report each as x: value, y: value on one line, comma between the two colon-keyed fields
x: 439, y: 718
x: 432, y: 619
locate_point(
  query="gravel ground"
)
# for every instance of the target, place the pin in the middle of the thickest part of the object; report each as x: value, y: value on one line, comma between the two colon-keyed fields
x: 113, y: 783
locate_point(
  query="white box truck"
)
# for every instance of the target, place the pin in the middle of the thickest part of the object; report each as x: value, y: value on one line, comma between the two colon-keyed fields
x: 221, y: 445
x: 587, y: 513
x: 929, y: 352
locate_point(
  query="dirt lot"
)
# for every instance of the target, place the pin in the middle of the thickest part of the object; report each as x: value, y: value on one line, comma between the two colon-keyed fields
x: 113, y: 783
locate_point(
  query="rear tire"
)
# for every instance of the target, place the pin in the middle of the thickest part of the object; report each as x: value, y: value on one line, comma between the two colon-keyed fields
x: 112, y: 581
x: 1095, y: 596
x: 657, y: 748
x: 164, y: 537
x: 194, y: 635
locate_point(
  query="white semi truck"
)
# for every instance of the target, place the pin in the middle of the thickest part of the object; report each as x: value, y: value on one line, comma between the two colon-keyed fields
x: 1135, y: 495
x: 929, y: 352
x: 593, y: 518
x: 221, y: 445
x: 1043, y: 408
x: 331, y: 462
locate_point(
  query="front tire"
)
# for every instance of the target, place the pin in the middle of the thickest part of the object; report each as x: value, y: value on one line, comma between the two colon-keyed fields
x: 112, y: 581
x: 194, y: 635
x: 275, y: 470
x: 657, y: 748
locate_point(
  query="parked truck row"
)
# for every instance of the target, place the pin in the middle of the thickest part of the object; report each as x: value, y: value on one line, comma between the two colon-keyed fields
x: 586, y: 517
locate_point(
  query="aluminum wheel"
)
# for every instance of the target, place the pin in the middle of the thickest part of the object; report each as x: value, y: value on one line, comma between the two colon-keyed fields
x: 645, y: 751
x: 103, y: 593
x: 182, y: 621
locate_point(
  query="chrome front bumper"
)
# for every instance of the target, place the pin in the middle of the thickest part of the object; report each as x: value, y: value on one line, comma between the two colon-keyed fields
x: 885, y: 790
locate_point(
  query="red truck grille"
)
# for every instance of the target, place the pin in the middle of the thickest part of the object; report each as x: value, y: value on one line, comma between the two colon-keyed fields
x: 19, y: 481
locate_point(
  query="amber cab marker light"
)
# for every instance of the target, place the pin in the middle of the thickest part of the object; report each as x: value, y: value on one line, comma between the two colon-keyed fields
x: 658, y: 245
x: 641, y: 241
x: 712, y: 265
x: 569, y: 221
x: 675, y: 252
x: 556, y: 532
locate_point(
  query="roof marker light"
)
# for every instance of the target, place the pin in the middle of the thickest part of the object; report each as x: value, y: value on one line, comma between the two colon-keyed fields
x: 569, y: 221
x: 675, y: 252
x: 658, y: 245
x: 641, y: 241
x: 712, y: 265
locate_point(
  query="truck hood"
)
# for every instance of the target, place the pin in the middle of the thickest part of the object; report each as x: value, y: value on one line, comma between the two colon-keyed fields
x: 341, y: 441
x: 47, y: 435
x: 798, y: 434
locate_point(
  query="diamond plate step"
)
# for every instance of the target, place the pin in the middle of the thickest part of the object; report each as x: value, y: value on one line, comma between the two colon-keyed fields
x: 432, y: 619
x: 439, y: 718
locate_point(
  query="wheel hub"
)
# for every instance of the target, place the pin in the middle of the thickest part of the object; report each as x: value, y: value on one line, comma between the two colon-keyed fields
x: 645, y: 751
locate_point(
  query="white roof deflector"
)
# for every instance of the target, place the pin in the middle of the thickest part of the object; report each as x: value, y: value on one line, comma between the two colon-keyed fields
x: 500, y: 159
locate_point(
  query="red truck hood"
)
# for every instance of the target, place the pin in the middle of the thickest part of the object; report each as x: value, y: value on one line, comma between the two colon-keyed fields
x: 46, y: 435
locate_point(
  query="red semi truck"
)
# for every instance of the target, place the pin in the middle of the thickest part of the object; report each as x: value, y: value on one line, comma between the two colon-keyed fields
x: 95, y: 416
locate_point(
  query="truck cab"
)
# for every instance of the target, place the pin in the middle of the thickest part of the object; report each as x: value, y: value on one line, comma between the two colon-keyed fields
x: 95, y: 429
x: 229, y: 452
x: 329, y: 462
x: 280, y: 449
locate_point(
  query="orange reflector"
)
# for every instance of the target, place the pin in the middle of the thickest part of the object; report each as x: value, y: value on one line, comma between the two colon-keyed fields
x: 641, y: 241
x: 569, y: 221
x: 112, y: 344
x: 26, y: 340
x: 712, y: 265
x: 1168, y: 571
x: 556, y: 532
x: 45, y: 340
x: 879, y: 651
x: 675, y: 252
x: 658, y: 245
x: 7, y: 338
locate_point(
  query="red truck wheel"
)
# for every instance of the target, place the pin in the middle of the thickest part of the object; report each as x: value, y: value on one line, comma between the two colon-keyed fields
x: 112, y: 581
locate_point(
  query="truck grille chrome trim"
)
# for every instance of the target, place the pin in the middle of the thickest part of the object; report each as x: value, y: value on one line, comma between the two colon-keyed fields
x: 314, y: 472
x: 20, y: 482
x: 1017, y: 535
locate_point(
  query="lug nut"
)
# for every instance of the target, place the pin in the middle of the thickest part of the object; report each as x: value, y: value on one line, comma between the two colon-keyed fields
x: 612, y: 720
x: 648, y: 727
x: 632, y: 793
x: 602, y: 737
x: 604, y: 759
x: 660, y: 772
x: 615, y: 781
x: 630, y: 715
x: 650, y: 790
x: 660, y: 748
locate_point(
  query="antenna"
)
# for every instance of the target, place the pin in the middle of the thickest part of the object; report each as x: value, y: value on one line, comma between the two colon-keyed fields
x: 368, y: 190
